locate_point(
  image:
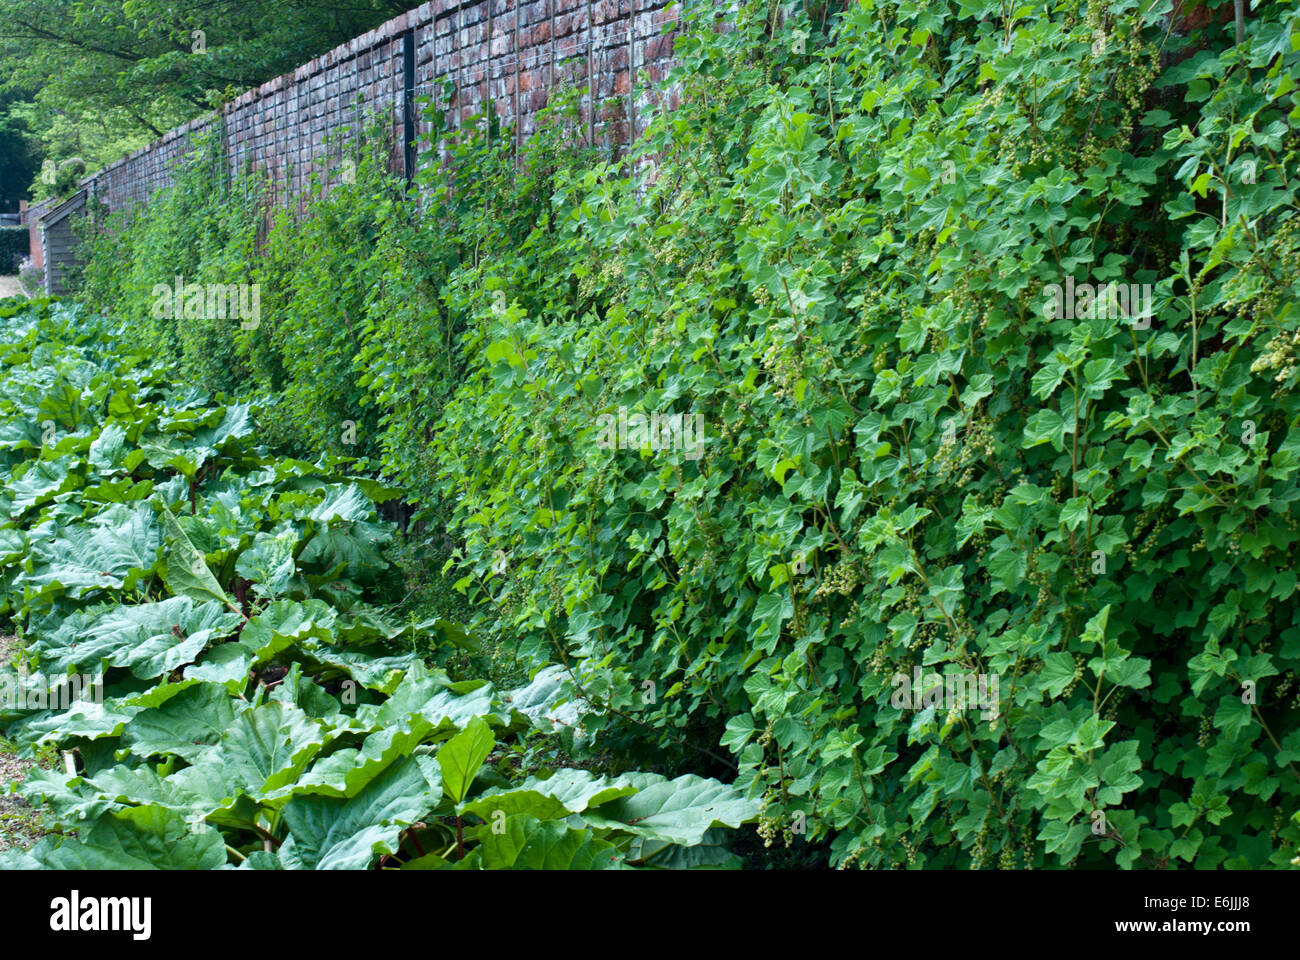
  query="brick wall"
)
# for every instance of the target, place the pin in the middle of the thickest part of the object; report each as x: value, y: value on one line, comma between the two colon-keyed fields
x: 514, y: 51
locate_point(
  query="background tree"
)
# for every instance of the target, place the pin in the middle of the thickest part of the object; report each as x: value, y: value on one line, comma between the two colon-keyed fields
x: 97, y: 78
x: 18, y: 162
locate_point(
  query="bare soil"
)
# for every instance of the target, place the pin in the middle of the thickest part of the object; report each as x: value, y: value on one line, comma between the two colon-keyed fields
x: 19, y: 823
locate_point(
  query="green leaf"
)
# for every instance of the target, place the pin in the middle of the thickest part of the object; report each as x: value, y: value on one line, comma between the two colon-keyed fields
x: 344, y: 773
x: 268, y: 747
x: 574, y: 791
x: 525, y: 843
x: 139, y: 838
x: 462, y: 755
x: 678, y: 811
x: 336, y: 833
x: 1047, y: 426
x: 187, y: 725
x: 186, y: 570
x: 113, y: 551
x: 1058, y: 670
x: 269, y: 564
x: 149, y: 639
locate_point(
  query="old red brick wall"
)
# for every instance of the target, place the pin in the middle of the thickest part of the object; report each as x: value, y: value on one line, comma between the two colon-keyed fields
x: 515, y: 51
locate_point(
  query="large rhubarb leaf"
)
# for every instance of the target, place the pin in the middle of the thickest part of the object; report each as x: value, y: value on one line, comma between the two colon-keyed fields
x: 188, y: 725
x: 335, y: 833
x: 678, y: 811
x: 114, y: 550
x: 526, y: 843
x: 150, y: 639
x: 140, y: 838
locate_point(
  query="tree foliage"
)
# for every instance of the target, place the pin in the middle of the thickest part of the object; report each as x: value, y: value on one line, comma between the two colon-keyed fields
x: 109, y: 76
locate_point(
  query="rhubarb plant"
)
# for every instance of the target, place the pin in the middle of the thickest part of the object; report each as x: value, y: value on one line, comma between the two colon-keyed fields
x: 202, y: 647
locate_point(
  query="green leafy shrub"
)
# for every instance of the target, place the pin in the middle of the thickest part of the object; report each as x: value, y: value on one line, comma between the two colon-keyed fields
x: 841, y: 260
x: 202, y: 231
x: 357, y: 348
x: 363, y: 249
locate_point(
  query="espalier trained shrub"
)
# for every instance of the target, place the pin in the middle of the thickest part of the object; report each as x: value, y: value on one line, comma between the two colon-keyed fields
x: 859, y: 251
x: 357, y: 350
x: 918, y: 339
x: 196, y: 232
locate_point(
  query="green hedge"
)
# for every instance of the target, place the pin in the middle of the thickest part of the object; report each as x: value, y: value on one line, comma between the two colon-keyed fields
x: 15, y: 244
x: 857, y: 253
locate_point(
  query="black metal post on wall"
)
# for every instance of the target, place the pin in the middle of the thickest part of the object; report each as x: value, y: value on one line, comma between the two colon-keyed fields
x: 408, y: 105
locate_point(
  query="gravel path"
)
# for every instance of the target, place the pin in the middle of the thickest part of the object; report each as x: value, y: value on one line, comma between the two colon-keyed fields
x: 19, y: 823
x: 10, y: 287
